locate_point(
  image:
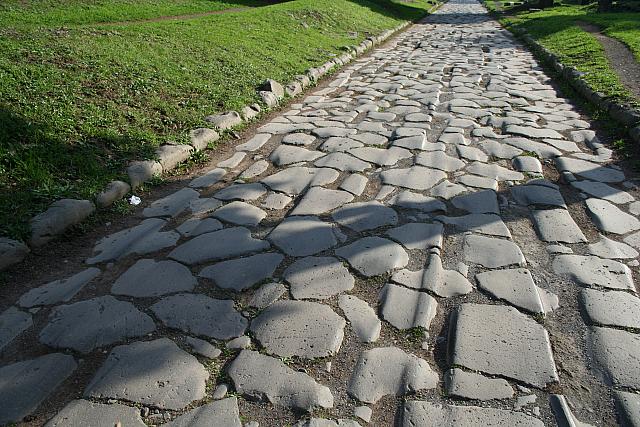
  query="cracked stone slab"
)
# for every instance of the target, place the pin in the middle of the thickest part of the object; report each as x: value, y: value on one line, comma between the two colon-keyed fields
x: 389, y: 371
x: 588, y: 170
x: 537, y: 195
x: 414, y: 178
x: 418, y: 235
x: 343, y: 162
x: 362, y: 216
x: 492, y: 252
x: 24, y: 385
x: 603, y: 191
x: 611, y: 249
x: 439, y: 160
x: 616, y: 352
x: 557, y: 225
x: 541, y: 149
x: 12, y: 323
x: 295, y: 180
x: 420, y: 413
x: 318, y: 278
x: 240, y: 213
x: 519, y: 349
x: 299, y: 328
x: 223, y: 412
x: 196, y: 226
x: 172, y: 205
x: 499, y: 149
x: 267, y: 294
x: 81, y: 412
x: 155, y: 373
x: 494, y: 171
x: 200, y: 315
x: 303, y: 235
x: 319, y: 200
x: 611, y: 308
x: 226, y: 243
x: 609, y: 218
x: 287, y: 154
x: 149, y: 278
x: 410, y: 200
x: 362, y: 317
x: 444, y: 283
x: 58, y: 291
x: 354, y: 184
x: 381, y: 156
x: 242, y: 192
x: 268, y: 379
x: 488, y: 224
x: 98, y: 322
x: 242, y: 273
x: 485, y: 201
x: 406, y: 308
x: 591, y: 270
x: 276, y: 201
x: 373, y: 256
x: 470, y: 385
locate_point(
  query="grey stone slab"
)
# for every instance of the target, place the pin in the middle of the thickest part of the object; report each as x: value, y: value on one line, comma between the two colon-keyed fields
x: 589, y: 170
x: 287, y: 154
x: 628, y: 406
x: 240, y: 213
x: 389, y: 371
x: 612, y: 308
x: 470, y: 385
x: 541, y: 149
x: 154, y: 373
x: 531, y: 132
x: 203, y: 348
x: 453, y: 138
x: 149, y: 278
x: 418, y: 235
x: 616, y: 352
x: 362, y: 216
x: 232, y: 161
x: 414, y: 142
x: 98, y: 322
x: 499, y: 149
x: 591, y: 270
x: 200, y: 315
x: 415, y: 177
x: 373, y: 256
x: 406, y: 308
x: 264, y: 378
x: 299, y: 328
x: 204, y: 206
x: 480, y: 202
x: 557, y: 225
x: 537, y: 195
x: 267, y: 294
x: 381, y: 156
x: 243, y: 192
x: 410, y: 200
x: 141, y: 239
x: 327, y: 132
x: 362, y: 318
x: 337, y: 144
x: 611, y: 249
x: 527, y: 164
x: 603, y: 191
x: 242, y: 273
x: 343, y: 162
x: 276, y: 201
x: 59, y: 290
x: 295, y: 180
x: 256, y: 169
x: 298, y: 139
x: 444, y: 283
x: 518, y: 349
x: 196, y: 226
x: 12, y: 323
x: 471, y: 153
x: 222, y: 412
x: 303, y: 235
x: 172, y: 205
x: 494, y: 171
x: 447, y: 190
x: 318, y: 278
x: 319, y: 200
x: 91, y: 414
x: 476, y: 181
x: 420, y: 413
x: 24, y: 385
x: 488, y: 224
x: 354, y: 184
x: 491, y: 252
x: 226, y: 243
x: 60, y: 215
x: 439, y: 160
x: 209, y: 179
x: 609, y: 218
x: 12, y: 252
x: 255, y: 143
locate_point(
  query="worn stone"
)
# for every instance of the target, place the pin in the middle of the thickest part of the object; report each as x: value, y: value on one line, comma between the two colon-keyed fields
x: 84, y: 413
x: 418, y: 235
x: 373, y: 256
x: 12, y: 323
x: 114, y: 191
x: 591, y: 270
x: 410, y: 200
x: 240, y: 213
x: 557, y: 225
x: 319, y: 200
x: 196, y: 226
x: 447, y: 190
x: 267, y: 294
x: 276, y: 201
x: 491, y: 252
x: 240, y: 274
x: 232, y: 161
x: 611, y: 249
x: 609, y: 218
x: 354, y: 184
x: 203, y: 348
x: 209, y: 179
x: 201, y: 137
x: 516, y: 286
x: 59, y: 290
x: 222, y: 412
x: 469, y: 385
x: 343, y: 162
x: 224, y: 121
x: 439, y: 160
x: 60, y: 215
x: 318, y: 278
x: 489, y: 224
x: 616, y: 353
x: 140, y: 172
x: 611, y: 308
x: 303, y: 235
x: 364, y: 216
x: 628, y: 406
x: 588, y: 170
x: 362, y: 317
x: 444, y: 283
x: 479, y: 202
x: 286, y: 155
x: 243, y: 192
x: 295, y: 180
x: 405, y: 308
x: 603, y: 191
x: 419, y: 413
x: 415, y: 177
x: 537, y: 195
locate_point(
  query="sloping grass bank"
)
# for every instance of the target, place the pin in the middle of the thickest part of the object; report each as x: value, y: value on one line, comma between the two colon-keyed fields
x: 80, y: 98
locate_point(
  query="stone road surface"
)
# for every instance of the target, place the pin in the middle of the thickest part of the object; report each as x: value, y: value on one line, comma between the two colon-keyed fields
x: 436, y: 237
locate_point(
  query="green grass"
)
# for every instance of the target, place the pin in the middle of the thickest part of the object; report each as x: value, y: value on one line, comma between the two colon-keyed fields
x: 80, y: 98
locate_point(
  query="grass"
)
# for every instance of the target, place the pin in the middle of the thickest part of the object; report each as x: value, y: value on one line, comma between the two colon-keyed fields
x: 80, y: 97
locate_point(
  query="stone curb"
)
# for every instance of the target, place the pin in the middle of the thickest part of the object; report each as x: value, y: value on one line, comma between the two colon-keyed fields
x: 65, y: 213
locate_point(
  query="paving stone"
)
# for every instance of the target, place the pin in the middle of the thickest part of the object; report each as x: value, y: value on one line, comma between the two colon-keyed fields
x: 12, y: 323
x: 363, y: 412
x: 532, y: 132
x: 405, y: 308
x: 141, y: 239
x: 557, y: 225
x: 362, y: 317
x: 469, y: 385
x: 414, y: 142
x: 439, y: 160
x: 98, y: 322
x: 519, y: 349
x: 603, y: 191
x: 562, y: 411
x: 591, y: 270
x: 264, y: 378
x: 354, y: 184
x: 295, y: 180
x: 494, y: 171
x: 242, y: 273
x: 209, y: 179
x: 303, y: 235
x: 232, y: 161
x: 298, y: 139
x: 299, y: 328
x: 240, y: 213
x: 319, y: 200
x: 516, y: 286
x: 148, y: 278
x: 340, y: 144
x: 172, y: 205
x: 226, y: 243
x: 415, y: 177
x: 200, y: 315
x: 453, y: 138
x: 84, y: 413
x: 410, y: 200
x: 381, y: 156
x: 499, y: 149
x: 318, y: 278
x: 362, y: 216
x: 418, y: 235
x: 373, y: 256
x: 267, y: 294
x: 588, y: 170
x: 537, y: 195
x: 444, y: 283
x: 489, y: 224
x: 389, y: 371
x: 491, y: 252
x: 222, y: 412
x: 24, y: 385
x: 419, y: 413
x: 527, y: 164
x: 471, y: 153
x: 609, y: 218
x: 321, y: 422
x: 541, y: 149
x: 59, y: 290
x: 196, y: 226
x: 11, y: 252
x: 485, y: 201
x: 476, y: 181
x: 204, y: 206
x: 327, y: 132
x: 611, y: 249
x: 276, y: 201
x: 447, y: 190
x: 612, y: 308
x: 628, y: 406
x: 256, y: 169
x: 203, y: 348
x: 244, y: 192
x: 154, y: 373
x: 616, y: 352
x: 60, y: 215
x: 286, y: 155
x: 343, y: 162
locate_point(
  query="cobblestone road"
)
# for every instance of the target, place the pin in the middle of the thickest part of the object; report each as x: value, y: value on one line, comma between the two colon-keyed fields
x: 436, y: 237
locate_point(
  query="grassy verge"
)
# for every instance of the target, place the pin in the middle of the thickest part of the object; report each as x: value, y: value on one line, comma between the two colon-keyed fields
x: 80, y: 97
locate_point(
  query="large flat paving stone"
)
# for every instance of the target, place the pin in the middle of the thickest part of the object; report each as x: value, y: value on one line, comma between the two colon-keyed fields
x: 58, y: 290
x: 381, y: 156
x: 362, y: 216
x: 299, y: 328
x: 589, y: 170
x: 616, y: 352
x: 295, y: 180
x: 154, y: 373
x: 208, y: 179
x: 242, y: 192
x: 342, y: 162
x: 91, y: 414
x: 265, y: 378
x: 240, y: 274
x: 414, y: 178
x: 470, y: 385
x: 98, y: 322
x: 319, y: 200
x: 435, y: 278
x: 363, y: 318
x: 227, y: 243
x: 491, y: 252
x: 318, y: 278
x: 418, y: 235
x: 494, y: 171
x: 591, y: 270
x: 303, y: 235
x: 201, y: 315
x: 612, y: 249
x: 321, y: 422
x: 557, y: 225
x: 603, y: 191
x: 267, y: 294
x: 389, y: 371
x: 611, y: 308
x: 439, y: 160
x: 149, y: 278
x: 172, y: 205
x: 480, y: 202
x: 410, y: 200
x: 240, y: 213
x: 537, y: 195
x: 24, y: 385
x: 373, y: 256
x: 489, y: 224
x: 288, y: 154
x: 498, y: 340
x: 420, y: 413
x: 611, y: 219
x: 12, y: 323
x: 222, y: 412
x: 406, y: 308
